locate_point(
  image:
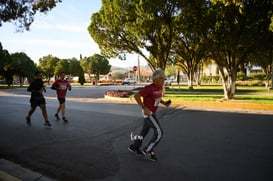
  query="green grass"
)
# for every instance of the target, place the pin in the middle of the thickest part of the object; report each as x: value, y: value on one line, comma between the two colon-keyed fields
x: 192, y: 97
x: 215, y: 93
x: 218, y: 89
x: 7, y: 87
x: 266, y: 99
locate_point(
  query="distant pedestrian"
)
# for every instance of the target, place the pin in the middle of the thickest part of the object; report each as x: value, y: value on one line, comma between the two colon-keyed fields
x: 61, y: 86
x: 37, y: 99
x: 152, y: 96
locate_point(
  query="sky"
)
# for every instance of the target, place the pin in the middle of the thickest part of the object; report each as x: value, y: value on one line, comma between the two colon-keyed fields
x: 62, y: 32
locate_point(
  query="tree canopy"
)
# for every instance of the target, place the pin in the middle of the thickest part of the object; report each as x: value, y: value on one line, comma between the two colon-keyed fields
x: 135, y: 27
x: 22, y: 12
x: 47, y: 65
x: 234, y: 30
x: 22, y: 66
x: 185, y: 32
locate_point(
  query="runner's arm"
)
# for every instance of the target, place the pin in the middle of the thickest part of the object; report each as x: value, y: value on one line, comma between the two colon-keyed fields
x: 54, y: 86
x: 139, y: 101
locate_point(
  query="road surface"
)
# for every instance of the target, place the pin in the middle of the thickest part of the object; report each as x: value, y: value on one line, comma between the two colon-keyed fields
x: 196, y: 145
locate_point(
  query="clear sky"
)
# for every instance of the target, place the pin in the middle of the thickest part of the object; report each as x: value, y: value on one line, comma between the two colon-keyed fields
x: 62, y: 32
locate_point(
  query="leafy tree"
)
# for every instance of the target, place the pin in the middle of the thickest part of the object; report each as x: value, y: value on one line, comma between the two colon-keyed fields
x: 136, y: 26
x: 62, y: 66
x: 5, y: 60
x: 170, y: 70
x: 234, y: 29
x: 22, y: 66
x: 118, y: 75
x: 99, y: 65
x: 75, y: 68
x: 22, y: 12
x: 189, y: 47
x: 86, y: 64
x: 96, y: 64
x: 264, y: 57
x: 47, y: 65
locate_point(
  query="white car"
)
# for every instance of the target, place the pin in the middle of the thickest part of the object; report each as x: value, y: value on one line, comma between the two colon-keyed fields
x: 168, y: 81
x: 128, y: 81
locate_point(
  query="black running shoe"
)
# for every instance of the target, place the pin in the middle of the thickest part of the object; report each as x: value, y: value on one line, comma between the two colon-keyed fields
x: 28, y: 121
x: 150, y: 155
x: 65, y: 120
x: 134, y: 150
x: 57, y: 116
x: 47, y: 124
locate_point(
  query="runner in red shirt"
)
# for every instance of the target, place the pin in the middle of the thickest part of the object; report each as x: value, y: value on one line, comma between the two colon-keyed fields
x: 152, y: 96
x: 61, y: 87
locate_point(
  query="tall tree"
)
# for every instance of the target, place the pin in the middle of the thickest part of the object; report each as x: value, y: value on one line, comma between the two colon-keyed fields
x: 22, y: 66
x: 95, y: 64
x: 136, y: 26
x: 170, y: 70
x: 75, y: 68
x: 264, y: 56
x: 99, y: 65
x: 189, y: 47
x: 47, y: 65
x: 22, y: 12
x: 86, y: 65
x: 5, y: 60
x: 62, y: 66
x: 234, y: 30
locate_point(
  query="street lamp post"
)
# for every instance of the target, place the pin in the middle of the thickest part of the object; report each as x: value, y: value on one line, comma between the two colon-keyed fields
x: 138, y: 70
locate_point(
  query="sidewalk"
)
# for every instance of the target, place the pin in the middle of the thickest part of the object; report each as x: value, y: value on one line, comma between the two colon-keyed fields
x: 10, y: 171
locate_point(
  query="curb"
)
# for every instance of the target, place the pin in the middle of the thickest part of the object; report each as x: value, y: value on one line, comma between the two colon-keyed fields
x: 125, y: 99
x: 6, y: 177
x: 264, y: 107
x: 10, y: 171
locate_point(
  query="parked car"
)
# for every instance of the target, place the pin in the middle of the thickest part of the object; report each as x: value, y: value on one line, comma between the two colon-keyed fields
x: 128, y: 81
x: 168, y: 81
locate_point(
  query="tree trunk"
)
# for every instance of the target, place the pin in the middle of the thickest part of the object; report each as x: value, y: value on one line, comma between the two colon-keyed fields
x: 190, y: 80
x: 178, y: 77
x: 271, y: 70
x: 48, y: 79
x: 20, y: 81
x: 229, y: 84
x: 97, y: 78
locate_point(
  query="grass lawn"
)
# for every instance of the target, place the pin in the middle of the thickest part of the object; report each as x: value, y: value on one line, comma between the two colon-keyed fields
x: 244, y: 94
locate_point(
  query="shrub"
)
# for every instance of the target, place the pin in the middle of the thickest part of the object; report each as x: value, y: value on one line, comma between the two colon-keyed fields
x: 118, y: 93
x: 251, y: 83
x: 210, y: 79
x: 81, y: 79
x: 241, y: 76
x: 258, y: 76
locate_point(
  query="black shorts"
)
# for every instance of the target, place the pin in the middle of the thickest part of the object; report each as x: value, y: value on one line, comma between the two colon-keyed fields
x: 61, y: 100
x: 37, y: 101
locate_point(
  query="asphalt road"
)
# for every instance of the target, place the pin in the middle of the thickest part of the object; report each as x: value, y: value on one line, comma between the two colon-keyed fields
x: 196, y: 145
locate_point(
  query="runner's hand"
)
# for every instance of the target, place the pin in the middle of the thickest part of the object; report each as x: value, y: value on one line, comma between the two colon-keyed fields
x: 168, y: 103
x: 146, y: 111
